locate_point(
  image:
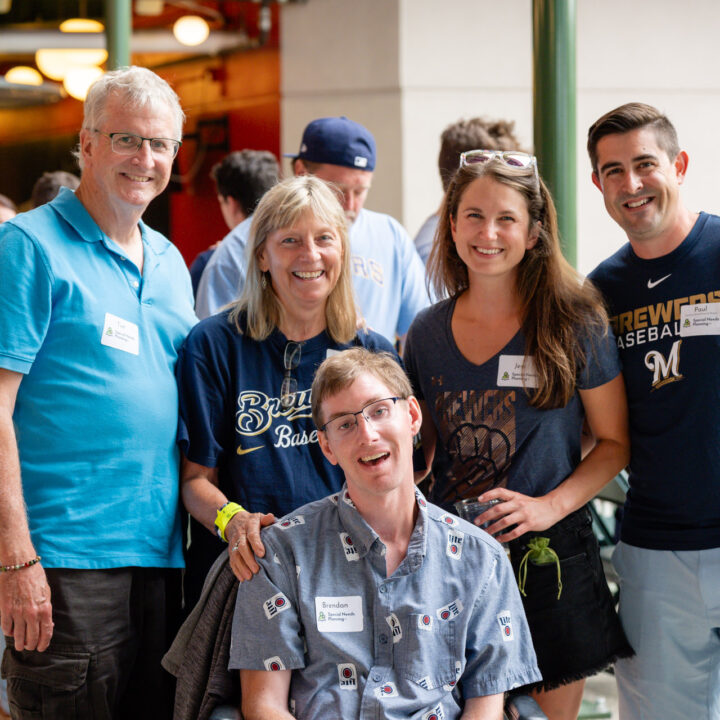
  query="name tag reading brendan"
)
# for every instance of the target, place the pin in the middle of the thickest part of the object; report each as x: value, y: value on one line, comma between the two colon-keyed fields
x: 339, y: 614
x: 120, y: 334
x: 516, y: 371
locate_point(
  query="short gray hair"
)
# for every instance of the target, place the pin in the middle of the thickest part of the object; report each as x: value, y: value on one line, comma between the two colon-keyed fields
x: 139, y: 88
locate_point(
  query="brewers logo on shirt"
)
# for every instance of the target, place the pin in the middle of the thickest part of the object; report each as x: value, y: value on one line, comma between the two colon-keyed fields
x: 437, y: 713
x: 347, y: 676
x: 276, y: 604
x: 505, y: 621
x: 291, y: 522
x: 450, y: 611
x: 351, y: 553
x: 386, y: 690
x: 425, y: 683
x: 347, y: 499
x: 274, y: 663
x: 425, y: 622
x: 394, y: 624
x: 334, y: 498
x: 454, y: 544
x: 448, y: 519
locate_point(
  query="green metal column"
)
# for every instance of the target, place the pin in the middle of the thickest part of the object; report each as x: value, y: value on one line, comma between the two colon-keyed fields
x: 554, y: 91
x: 118, y: 29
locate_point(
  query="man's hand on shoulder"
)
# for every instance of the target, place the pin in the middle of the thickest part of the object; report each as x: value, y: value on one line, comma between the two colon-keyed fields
x: 25, y: 609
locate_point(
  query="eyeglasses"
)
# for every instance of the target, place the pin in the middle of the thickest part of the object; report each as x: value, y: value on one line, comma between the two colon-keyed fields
x: 513, y: 158
x: 291, y: 360
x: 128, y: 144
x: 376, y: 414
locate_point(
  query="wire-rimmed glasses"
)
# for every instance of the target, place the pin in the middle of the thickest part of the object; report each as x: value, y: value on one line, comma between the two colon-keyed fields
x: 124, y: 143
x: 375, y: 413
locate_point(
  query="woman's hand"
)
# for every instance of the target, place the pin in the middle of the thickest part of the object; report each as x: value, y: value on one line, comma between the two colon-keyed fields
x: 523, y: 512
x: 244, y: 544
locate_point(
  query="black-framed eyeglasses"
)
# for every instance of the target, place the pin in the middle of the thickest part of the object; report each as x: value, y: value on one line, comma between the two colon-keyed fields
x: 291, y: 359
x: 128, y: 144
x: 375, y: 413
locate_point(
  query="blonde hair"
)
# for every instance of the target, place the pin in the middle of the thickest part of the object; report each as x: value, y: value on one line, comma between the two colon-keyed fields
x: 556, y: 306
x: 281, y: 207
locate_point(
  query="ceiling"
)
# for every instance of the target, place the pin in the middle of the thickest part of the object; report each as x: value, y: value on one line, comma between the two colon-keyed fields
x: 31, y: 24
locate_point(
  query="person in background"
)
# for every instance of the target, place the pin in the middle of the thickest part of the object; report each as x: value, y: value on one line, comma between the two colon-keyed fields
x: 241, y: 179
x: 507, y: 369
x: 456, y: 139
x: 246, y: 435
x: 662, y: 289
x: 372, y: 601
x: 8, y: 209
x: 388, y: 276
x: 48, y: 185
x: 94, y: 308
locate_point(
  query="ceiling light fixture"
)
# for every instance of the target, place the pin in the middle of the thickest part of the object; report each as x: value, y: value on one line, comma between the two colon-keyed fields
x: 78, y: 81
x: 81, y: 25
x: 23, y: 75
x: 56, y: 63
x: 191, y: 30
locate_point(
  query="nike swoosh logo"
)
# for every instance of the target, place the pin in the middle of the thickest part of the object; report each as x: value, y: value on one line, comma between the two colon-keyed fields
x: 245, y: 451
x: 653, y: 283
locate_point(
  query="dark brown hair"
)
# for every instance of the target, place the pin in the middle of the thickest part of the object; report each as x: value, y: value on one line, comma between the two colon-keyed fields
x: 556, y: 306
x: 632, y: 116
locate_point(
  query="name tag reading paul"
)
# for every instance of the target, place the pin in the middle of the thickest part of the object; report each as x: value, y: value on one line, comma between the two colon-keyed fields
x: 339, y: 614
x: 516, y: 371
x: 120, y: 334
x: 700, y: 320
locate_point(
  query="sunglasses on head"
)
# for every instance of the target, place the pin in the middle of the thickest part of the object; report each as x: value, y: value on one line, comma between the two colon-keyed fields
x: 512, y: 158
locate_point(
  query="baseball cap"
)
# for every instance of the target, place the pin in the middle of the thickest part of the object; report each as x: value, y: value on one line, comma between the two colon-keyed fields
x: 337, y: 141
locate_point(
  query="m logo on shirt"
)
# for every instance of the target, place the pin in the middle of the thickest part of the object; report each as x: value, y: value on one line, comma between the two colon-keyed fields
x: 437, y: 713
x: 394, y: 624
x: 386, y: 690
x: 664, y: 371
x: 290, y: 522
x: 276, y: 604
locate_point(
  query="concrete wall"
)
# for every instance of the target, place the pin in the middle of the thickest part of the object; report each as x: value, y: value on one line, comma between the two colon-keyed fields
x: 408, y: 68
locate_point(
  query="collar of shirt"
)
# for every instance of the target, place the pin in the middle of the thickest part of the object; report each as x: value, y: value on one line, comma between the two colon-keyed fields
x: 67, y: 205
x: 364, y: 537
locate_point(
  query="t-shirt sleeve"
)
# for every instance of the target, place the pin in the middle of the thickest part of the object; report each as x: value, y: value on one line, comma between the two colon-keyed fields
x: 499, y: 651
x: 602, y: 361
x: 25, y: 300
x: 410, y: 360
x: 414, y: 293
x: 202, y: 395
x: 265, y: 609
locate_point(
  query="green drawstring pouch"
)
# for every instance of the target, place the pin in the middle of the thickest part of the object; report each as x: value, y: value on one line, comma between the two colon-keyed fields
x: 539, y: 553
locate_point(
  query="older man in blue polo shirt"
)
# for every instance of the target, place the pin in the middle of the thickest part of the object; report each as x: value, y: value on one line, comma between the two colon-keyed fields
x: 93, y: 310
x: 373, y: 602
x: 388, y: 275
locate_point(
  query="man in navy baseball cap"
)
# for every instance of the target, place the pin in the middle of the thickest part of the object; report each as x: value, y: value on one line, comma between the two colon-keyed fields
x: 340, y: 151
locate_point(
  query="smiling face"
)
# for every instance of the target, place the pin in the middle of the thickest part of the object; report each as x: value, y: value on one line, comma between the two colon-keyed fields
x: 376, y: 458
x: 127, y: 181
x: 491, y: 229
x: 304, y: 262
x: 641, y: 184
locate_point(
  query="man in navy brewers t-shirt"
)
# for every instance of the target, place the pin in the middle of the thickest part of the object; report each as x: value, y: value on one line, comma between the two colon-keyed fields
x: 663, y: 293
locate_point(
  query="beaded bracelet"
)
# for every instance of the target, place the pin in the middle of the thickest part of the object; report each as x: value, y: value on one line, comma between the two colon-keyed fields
x: 10, y: 568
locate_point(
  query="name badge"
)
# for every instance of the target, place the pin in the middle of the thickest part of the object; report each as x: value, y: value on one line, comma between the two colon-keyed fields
x: 516, y: 371
x: 339, y: 614
x: 700, y: 320
x: 120, y: 334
